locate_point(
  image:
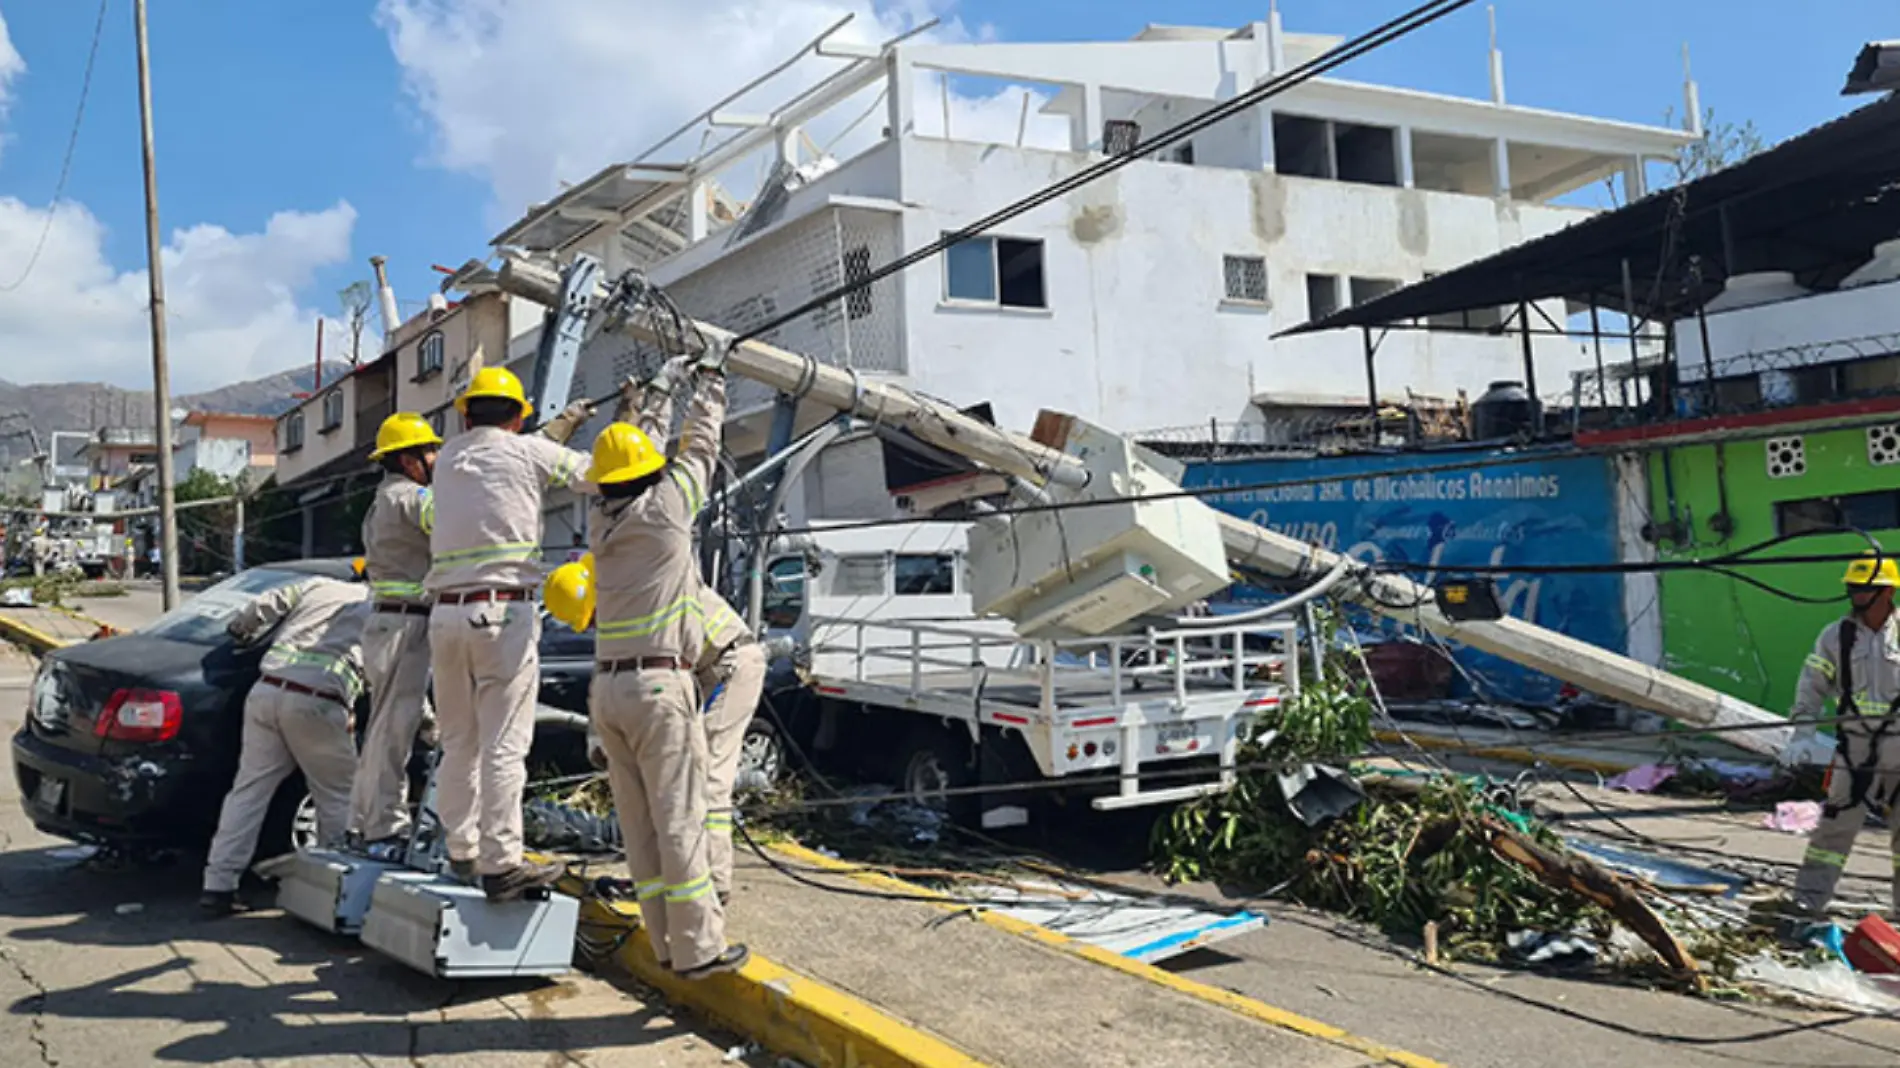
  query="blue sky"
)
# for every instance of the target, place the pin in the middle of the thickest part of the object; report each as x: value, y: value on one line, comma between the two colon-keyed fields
x: 265, y: 108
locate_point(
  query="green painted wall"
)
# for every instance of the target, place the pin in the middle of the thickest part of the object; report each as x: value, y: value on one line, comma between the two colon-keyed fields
x: 1727, y: 634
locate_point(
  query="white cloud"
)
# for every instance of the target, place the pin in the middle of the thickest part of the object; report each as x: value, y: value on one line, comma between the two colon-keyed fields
x: 231, y: 299
x: 231, y: 305
x: 529, y: 93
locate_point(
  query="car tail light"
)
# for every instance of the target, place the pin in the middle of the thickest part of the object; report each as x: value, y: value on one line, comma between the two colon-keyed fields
x: 141, y: 716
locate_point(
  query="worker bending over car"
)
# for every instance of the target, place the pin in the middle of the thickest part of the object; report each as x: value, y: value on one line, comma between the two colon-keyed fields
x: 298, y: 716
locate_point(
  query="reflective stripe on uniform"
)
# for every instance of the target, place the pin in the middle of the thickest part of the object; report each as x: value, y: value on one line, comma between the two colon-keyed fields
x: 508, y: 552
x: 689, y: 891
x: 690, y: 487
x: 281, y: 656
x: 648, y: 624
x: 426, y: 518
x: 566, y: 469
x: 1822, y: 856
x: 718, y: 622
x: 722, y: 822
x: 396, y: 589
x: 1823, y: 665
x: 648, y: 889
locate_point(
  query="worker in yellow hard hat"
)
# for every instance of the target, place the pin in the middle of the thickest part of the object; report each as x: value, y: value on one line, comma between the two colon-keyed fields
x: 649, y: 634
x: 491, y: 486
x: 396, y: 638
x: 1856, y: 663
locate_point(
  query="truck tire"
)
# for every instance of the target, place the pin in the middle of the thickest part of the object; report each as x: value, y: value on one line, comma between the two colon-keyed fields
x: 936, y: 757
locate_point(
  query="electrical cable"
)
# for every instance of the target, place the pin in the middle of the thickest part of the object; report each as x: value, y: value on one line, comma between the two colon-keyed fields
x: 66, y: 164
x: 1415, y: 19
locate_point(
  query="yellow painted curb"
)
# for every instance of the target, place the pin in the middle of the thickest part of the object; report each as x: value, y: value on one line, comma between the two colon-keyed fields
x: 1226, y: 999
x: 32, y: 638
x: 1515, y: 754
x: 783, y: 1011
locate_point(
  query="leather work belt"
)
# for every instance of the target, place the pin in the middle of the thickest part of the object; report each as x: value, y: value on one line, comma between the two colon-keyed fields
x: 478, y: 596
x: 402, y: 609
x: 643, y: 663
x: 297, y: 687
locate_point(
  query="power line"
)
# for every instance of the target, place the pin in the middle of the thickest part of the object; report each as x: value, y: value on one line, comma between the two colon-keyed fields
x: 66, y: 165
x: 1415, y: 19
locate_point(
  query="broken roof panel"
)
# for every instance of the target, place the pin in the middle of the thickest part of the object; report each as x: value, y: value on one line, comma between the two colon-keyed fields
x: 616, y: 192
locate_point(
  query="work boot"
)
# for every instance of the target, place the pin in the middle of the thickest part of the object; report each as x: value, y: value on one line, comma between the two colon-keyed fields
x: 731, y: 960
x: 219, y: 903
x: 524, y: 877
x: 463, y: 871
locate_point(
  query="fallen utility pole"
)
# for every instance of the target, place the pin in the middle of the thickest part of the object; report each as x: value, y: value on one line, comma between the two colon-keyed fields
x: 1597, y: 670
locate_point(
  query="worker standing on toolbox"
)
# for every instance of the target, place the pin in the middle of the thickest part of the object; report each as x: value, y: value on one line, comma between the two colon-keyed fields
x: 485, y: 548
x: 645, y: 699
x: 1856, y: 661
x: 730, y: 667
x: 396, y: 638
x: 297, y: 716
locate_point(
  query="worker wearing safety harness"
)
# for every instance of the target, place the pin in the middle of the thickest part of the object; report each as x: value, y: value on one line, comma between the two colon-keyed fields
x: 485, y: 548
x: 396, y: 638
x: 297, y: 716
x: 1857, y: 662
x: 730, y: 668
x: 645, y: 700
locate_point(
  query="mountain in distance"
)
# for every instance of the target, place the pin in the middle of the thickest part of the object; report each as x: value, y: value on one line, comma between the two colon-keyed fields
x: 85, y: 406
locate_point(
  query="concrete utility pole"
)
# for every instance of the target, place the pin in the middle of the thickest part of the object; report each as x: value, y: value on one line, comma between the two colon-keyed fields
x: 161, y: 372
x: 1598, y: 670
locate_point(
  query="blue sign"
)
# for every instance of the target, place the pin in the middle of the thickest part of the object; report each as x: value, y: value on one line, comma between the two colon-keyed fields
x: 1555, y: 510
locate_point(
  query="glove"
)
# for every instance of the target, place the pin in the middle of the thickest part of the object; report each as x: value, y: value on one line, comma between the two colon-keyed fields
x: 562, y: 426
x: 1809, y: 749
x: 712, y: 360
x: 671, y: 374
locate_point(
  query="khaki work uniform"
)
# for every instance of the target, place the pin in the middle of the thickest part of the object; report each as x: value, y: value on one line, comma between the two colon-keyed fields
x: 395, y: 653
x: 485, y: 548
x: 645, y: 701
x: 1869, y: 740
x: 731, y: 675
x: 297, y: 716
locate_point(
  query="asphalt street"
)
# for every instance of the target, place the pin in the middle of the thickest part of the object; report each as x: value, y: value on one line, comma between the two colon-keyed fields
x: 102, y: 967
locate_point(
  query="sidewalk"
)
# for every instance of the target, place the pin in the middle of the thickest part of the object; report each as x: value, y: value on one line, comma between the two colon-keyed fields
x: 1014, y: 998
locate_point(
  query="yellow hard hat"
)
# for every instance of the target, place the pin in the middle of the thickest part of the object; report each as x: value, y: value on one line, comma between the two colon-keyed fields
x: 495, y: 382
x: 568, y: 593
x: 623, y: 453
x: 1873, y: 570
x: 404, y: 430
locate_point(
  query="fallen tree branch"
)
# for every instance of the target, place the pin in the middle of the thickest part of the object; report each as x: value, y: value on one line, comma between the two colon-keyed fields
x: 1578, y: 875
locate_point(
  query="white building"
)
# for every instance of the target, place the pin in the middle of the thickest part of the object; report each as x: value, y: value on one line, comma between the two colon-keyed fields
x: 1144, y: 300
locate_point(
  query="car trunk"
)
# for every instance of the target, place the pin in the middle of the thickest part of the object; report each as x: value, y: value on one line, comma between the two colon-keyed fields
x: 78, y: 683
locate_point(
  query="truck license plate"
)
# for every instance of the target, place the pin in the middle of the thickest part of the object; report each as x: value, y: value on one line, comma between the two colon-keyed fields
x: 51, y: 793
x: 1170, y: 733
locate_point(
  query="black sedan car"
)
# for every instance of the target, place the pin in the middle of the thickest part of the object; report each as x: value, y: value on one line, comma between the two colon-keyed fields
x: 131, y: 742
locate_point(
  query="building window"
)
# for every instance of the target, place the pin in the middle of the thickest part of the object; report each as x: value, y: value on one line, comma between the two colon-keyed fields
x: 1322, y: 295
x: 860, y: 575
x: 995, y: 270
x: 1370, y: 289
x: 926, y: 575
x: 1182, y: 153
x: 332, y: 411
x: 857, y: 267
x: 784, y: 601
x: 1876, y: 510
x: 1120, y: 136
x: 1246, y: 278
x: 439, y: 422
x: 293, y: 432
x: 429, y: 355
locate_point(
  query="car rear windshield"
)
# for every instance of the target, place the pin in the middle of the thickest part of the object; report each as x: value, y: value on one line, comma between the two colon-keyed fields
x: 201, y: 620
